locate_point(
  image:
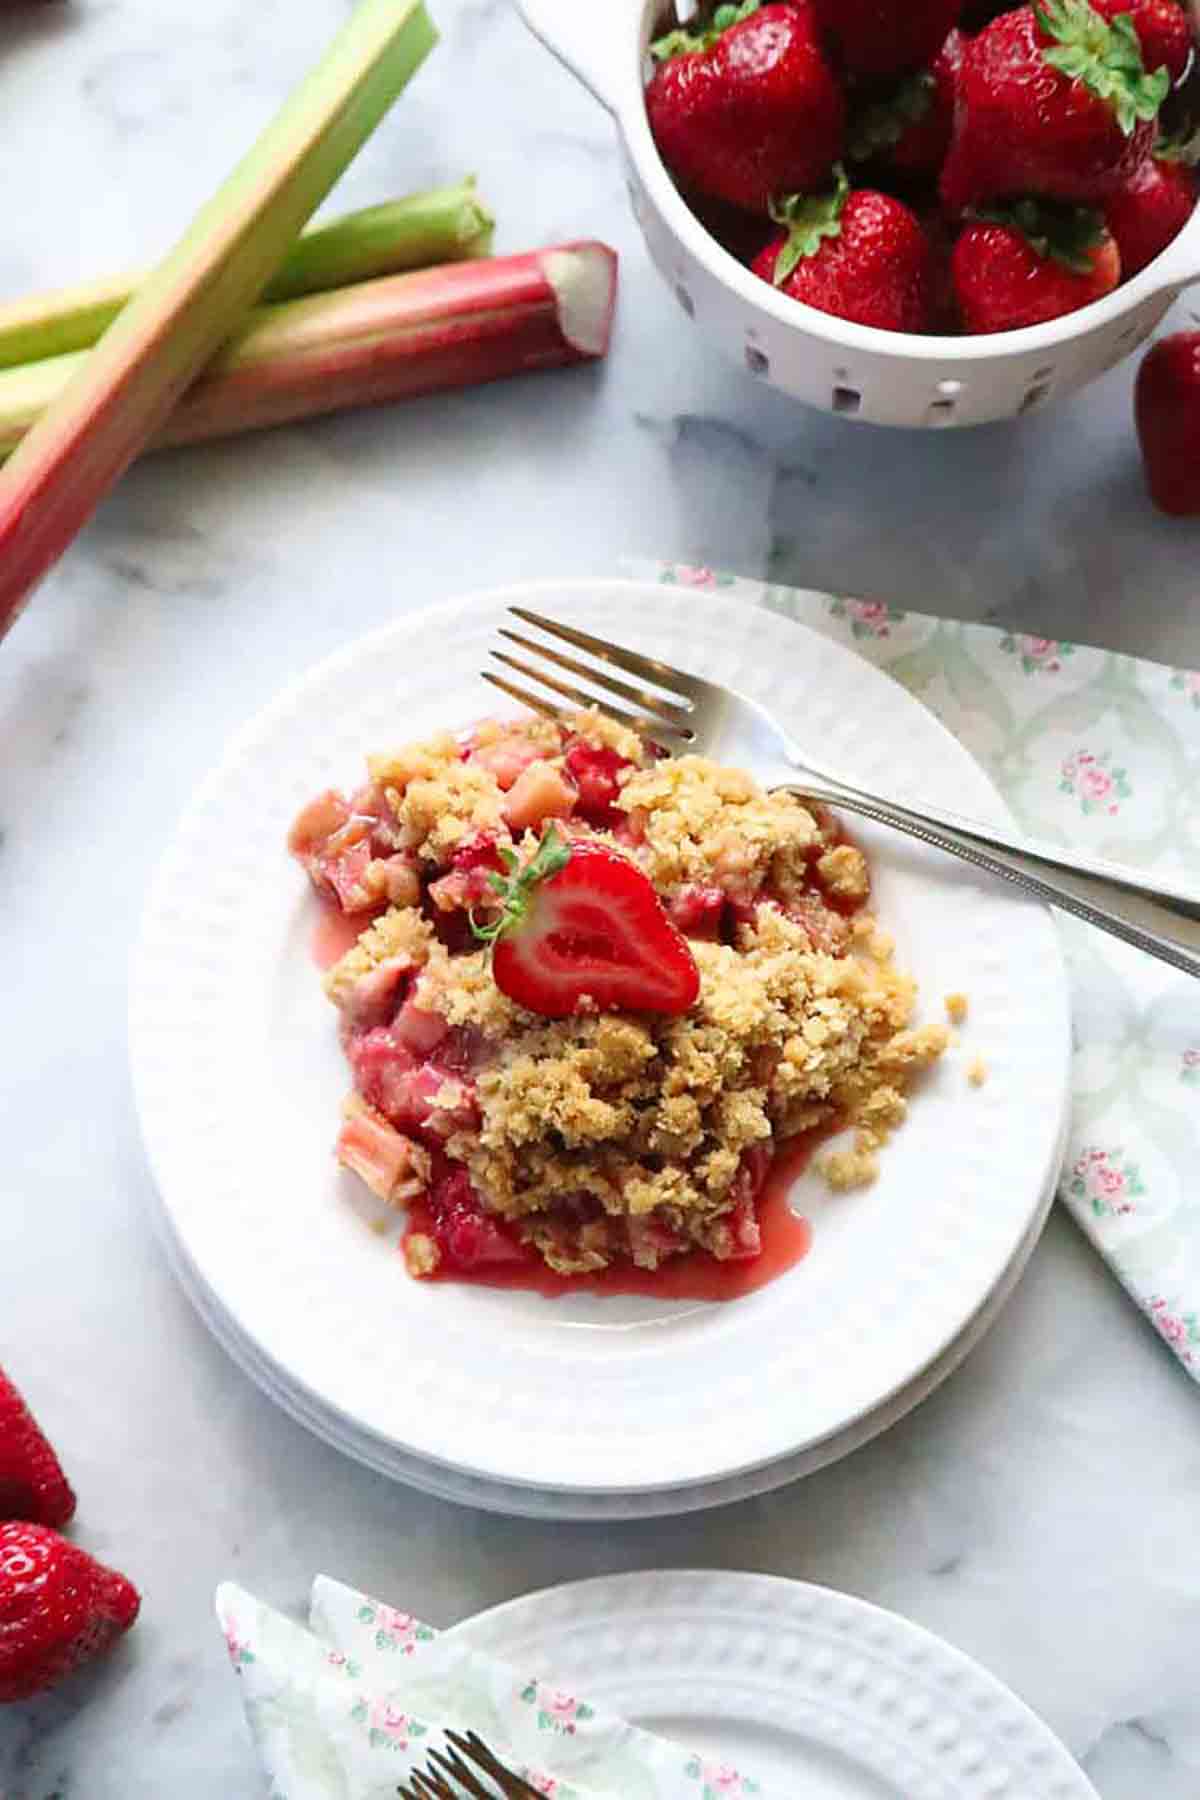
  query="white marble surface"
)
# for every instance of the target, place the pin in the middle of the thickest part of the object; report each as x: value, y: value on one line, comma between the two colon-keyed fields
x: 1041, y: 1510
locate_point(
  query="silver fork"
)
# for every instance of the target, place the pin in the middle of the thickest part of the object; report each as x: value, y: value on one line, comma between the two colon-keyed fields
x: 682, y: 713
x: 451, y: 1775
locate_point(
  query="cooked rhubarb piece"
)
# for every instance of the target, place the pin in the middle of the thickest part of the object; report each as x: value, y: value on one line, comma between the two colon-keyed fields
x: 393, y: 1167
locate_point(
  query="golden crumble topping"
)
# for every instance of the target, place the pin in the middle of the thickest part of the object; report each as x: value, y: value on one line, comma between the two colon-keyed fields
x: 704, y: 823
x: 957, y: 1007
x: 610, y: 1135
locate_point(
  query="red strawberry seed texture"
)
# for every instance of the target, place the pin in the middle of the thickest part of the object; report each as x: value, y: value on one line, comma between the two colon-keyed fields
x: 749, y: 111
x: 876, y: 40
x: 1149, y: 211
x: 1163, y: 31
x: 860, y: 255
x: 59, y: 1608
x: 584, y: 928
x: 1167, y: 405
x: 1023, y: 125
x: 32, y: 1483
x: 1005, y: 282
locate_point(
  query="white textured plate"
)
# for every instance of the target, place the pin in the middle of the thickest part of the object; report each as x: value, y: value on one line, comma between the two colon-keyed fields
x: 551, y: 1504
x: 238, y: 1079
x: 808, y: 1691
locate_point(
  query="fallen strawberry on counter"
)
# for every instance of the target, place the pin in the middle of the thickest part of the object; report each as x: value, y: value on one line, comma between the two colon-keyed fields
x: 32, y: 1483
x: 59, y: 1608
x: 1167, y: 406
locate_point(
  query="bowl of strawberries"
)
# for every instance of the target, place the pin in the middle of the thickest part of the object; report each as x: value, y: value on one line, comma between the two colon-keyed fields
x: 909, y: 212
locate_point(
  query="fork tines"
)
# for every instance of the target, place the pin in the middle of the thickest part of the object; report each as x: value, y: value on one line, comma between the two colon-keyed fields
x: 450, y: 1775
x: 657, y: 715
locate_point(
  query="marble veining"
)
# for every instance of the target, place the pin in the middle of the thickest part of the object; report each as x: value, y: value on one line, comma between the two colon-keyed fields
x: 1039, y: 1510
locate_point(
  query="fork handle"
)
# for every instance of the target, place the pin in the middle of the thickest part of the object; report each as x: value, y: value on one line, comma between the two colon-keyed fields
x: 1162, y: 923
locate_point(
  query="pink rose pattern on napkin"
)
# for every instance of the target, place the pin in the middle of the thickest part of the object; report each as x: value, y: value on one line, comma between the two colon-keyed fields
x: 530, y: 1723
x: 1102, y: 750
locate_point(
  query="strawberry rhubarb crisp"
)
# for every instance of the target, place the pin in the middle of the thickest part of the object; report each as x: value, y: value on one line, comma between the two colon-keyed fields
x: 594, y: 992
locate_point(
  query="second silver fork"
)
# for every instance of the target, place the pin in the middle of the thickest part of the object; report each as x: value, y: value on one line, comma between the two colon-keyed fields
x: 684, y: 712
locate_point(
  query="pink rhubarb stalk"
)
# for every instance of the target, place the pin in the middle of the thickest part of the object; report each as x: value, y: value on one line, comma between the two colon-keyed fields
x: 383, y: 340
x: 127, y: 387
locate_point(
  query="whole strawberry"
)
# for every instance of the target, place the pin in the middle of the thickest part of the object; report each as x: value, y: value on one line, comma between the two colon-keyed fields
x: 858, y: 254
x: 59, y: 1608
x: 1150, y: 210
x: 1032, y: 262
x: 910, y: 129
x: 748, y: 108
x: 1053, y: 100
x: 876, y: 40
x: 1167, y: 408
x: 32, y: 1484
x: 1163, y: 32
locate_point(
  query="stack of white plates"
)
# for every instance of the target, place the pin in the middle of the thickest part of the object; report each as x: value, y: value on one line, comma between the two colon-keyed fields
x: 584, y: 1407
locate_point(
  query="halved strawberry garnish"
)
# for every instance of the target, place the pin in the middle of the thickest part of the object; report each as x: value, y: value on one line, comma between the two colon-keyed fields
x: 583, y: 925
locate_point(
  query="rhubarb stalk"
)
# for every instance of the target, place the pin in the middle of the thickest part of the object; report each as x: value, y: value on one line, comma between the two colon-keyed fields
x: 127, y: 386
x: 448, y: 224
x: 384, y: 340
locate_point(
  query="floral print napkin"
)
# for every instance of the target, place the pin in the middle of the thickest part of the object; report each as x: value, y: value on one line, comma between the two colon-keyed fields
x: 350, y: 1708
x: 1101, y: 752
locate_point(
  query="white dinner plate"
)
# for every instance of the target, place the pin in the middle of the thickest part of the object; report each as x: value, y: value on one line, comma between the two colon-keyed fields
x: 550, y: 1503
x: 238, y: 1078
x: 815, y: 1695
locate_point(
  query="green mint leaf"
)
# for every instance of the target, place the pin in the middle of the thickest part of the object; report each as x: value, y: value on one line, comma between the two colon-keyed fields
x: 517, y: 889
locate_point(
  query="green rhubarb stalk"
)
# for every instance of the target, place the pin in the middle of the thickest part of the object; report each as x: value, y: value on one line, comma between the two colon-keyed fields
x: 449, y: 224
x: 383, y: 340
x: 126, y: 387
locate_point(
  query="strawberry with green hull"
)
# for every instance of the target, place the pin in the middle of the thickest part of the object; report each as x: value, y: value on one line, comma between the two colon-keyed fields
x: 582, y: 927
x: 910, y: 130
x: 749, y: 107
x: 1150, y: 210
x: 877, y: 40
x: 1167, y: 406
x: 59, y: 1608
x: 1053, y: 100
x: 1032, y: 262
x: 857, y: 254
x: 1163, y: 30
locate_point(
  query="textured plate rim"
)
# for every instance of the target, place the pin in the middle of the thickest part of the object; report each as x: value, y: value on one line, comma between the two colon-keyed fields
x: 510, y: 1500
x: 443, y: 616
x: 777, y: 1603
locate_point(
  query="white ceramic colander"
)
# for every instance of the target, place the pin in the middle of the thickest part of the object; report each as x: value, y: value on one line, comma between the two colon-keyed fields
x: 881, y: 377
